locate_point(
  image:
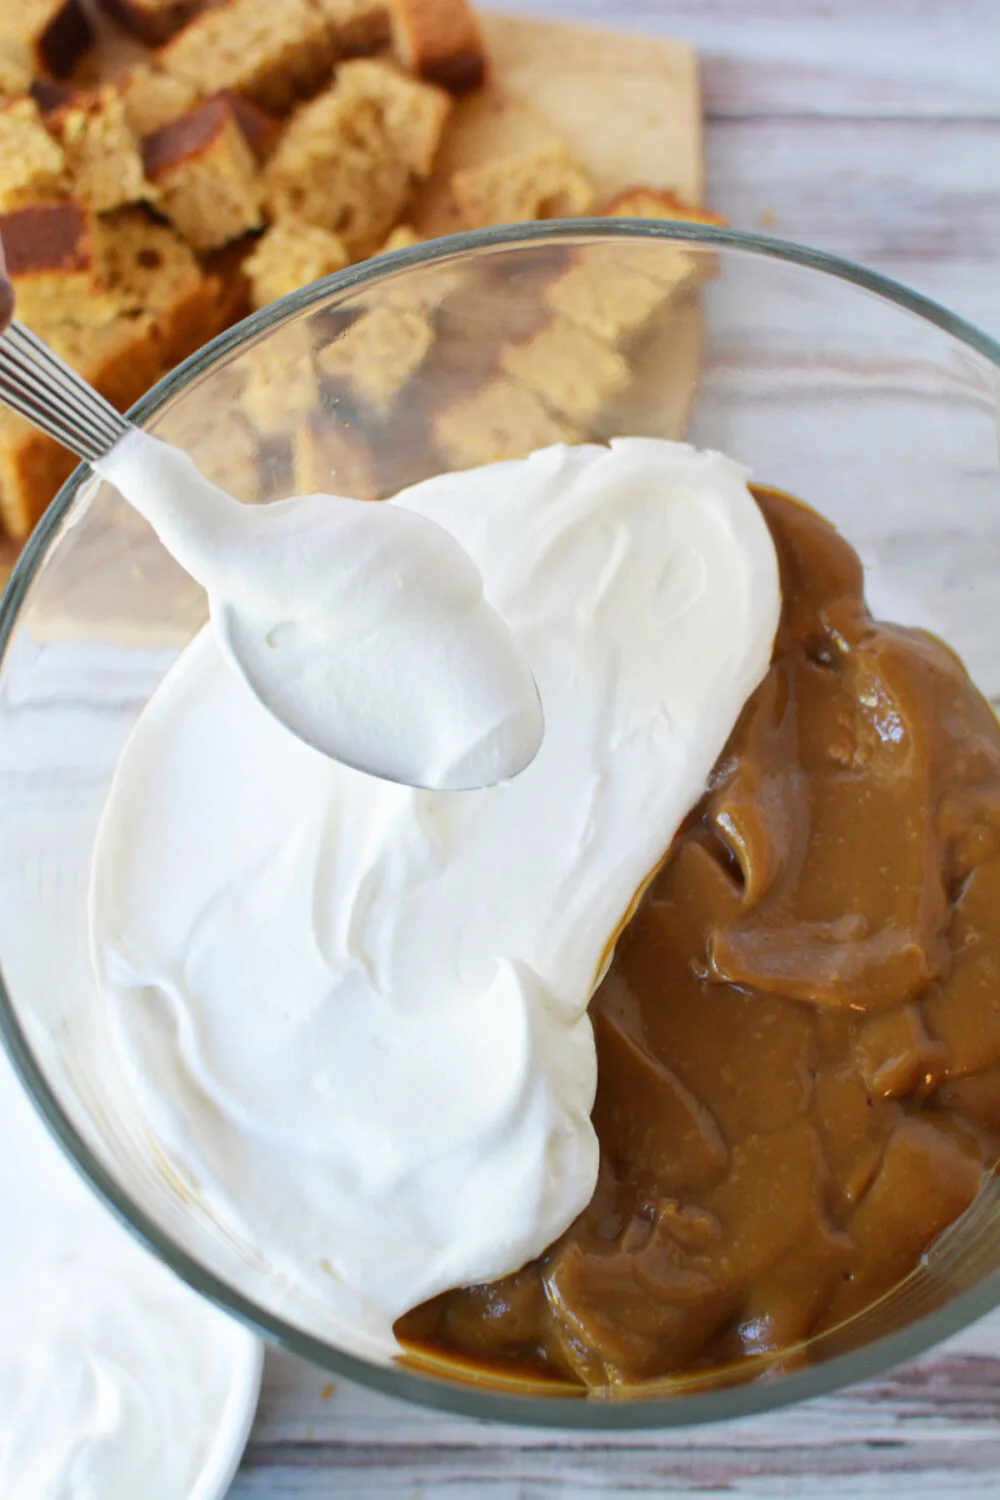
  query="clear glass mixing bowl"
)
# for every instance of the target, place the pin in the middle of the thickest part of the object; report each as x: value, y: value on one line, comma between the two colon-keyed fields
x: 876, y: 406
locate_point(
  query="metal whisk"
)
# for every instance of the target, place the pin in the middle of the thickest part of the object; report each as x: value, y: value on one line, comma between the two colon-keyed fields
x: 39, y: 385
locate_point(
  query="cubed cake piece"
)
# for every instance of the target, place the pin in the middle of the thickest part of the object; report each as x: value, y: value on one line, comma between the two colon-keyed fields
x: 440, y: 40
x: 15, y: 68
x: 413, y: 113
x: 281, y: 385
x: 570, y: 369
x: 609, y: 297
x: 336, y: 166
x: 542, y: 184
x: 356, y: 26
x: 289, y: 255
x: 273, y: 51
x: 376, y: 356
x: 205, y: 175
x: 149, y: 268
x: 57, y: 33
x: 153, y: 98
x: 53, y: 259
x: 103, y: 160
x: 261, y: 131
x: 501, y: 420
x: 153, y: 21
x: 329, y: 458
x: 32, y: 164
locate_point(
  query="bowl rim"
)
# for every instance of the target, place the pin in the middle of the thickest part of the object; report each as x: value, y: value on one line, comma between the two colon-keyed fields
x: 683, y: 1408
x: 239, y: 1411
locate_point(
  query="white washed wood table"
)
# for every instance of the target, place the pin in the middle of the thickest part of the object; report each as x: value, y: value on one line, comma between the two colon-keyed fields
x: 870, y: 128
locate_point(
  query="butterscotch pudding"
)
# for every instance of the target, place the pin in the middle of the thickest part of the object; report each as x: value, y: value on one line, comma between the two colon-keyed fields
x: 798, y: 1041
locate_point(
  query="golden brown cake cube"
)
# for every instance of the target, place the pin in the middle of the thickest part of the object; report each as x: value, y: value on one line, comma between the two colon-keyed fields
x: 261, y: 131
x: 274, y: 51
x: 53, y: 259
x: 149, y: 268
x: 281, y: 385
x: 103, y: 160
x: 153, y: 98
x: 413, y: 114
x: 292, y: 254
x: 376, y: 356
x: 336, y: 166
x: 356, y: 26
x: 57, y: 33
x: 205, y: 175
x: 440, y: 40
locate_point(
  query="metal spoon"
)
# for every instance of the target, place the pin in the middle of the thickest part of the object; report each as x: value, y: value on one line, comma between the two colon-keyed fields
x: 393, y: 685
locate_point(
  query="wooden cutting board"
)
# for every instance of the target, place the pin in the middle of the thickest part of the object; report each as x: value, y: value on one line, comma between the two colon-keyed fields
x: 629, y: 110
x: 627, y: 107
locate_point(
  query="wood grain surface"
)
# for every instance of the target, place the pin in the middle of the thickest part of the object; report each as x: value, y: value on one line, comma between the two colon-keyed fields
x: 870, y: 128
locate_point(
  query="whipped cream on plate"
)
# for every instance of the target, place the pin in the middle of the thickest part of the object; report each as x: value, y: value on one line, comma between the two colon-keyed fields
x: 116, y: 1381
x: 352, y: 1016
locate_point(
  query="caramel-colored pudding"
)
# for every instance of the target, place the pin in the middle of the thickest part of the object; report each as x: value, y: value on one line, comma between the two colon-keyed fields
x: 799, y: 1036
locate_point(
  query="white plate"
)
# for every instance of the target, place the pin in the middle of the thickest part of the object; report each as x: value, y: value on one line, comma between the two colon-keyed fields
x: 235, y: 1422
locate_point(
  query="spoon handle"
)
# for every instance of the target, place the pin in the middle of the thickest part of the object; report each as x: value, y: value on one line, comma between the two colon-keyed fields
x: 39, y: 385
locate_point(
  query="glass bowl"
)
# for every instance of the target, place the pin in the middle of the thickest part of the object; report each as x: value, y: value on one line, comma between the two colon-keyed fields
x: 869, y: 402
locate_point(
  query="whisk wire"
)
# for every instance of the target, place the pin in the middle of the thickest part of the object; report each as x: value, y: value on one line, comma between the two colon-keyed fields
x: 35, y: 382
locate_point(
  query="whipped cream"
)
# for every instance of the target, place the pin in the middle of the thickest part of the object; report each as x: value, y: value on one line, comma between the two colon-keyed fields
x: 352, y: 1016
x: 116, y: 1381
x: 362, y: 627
